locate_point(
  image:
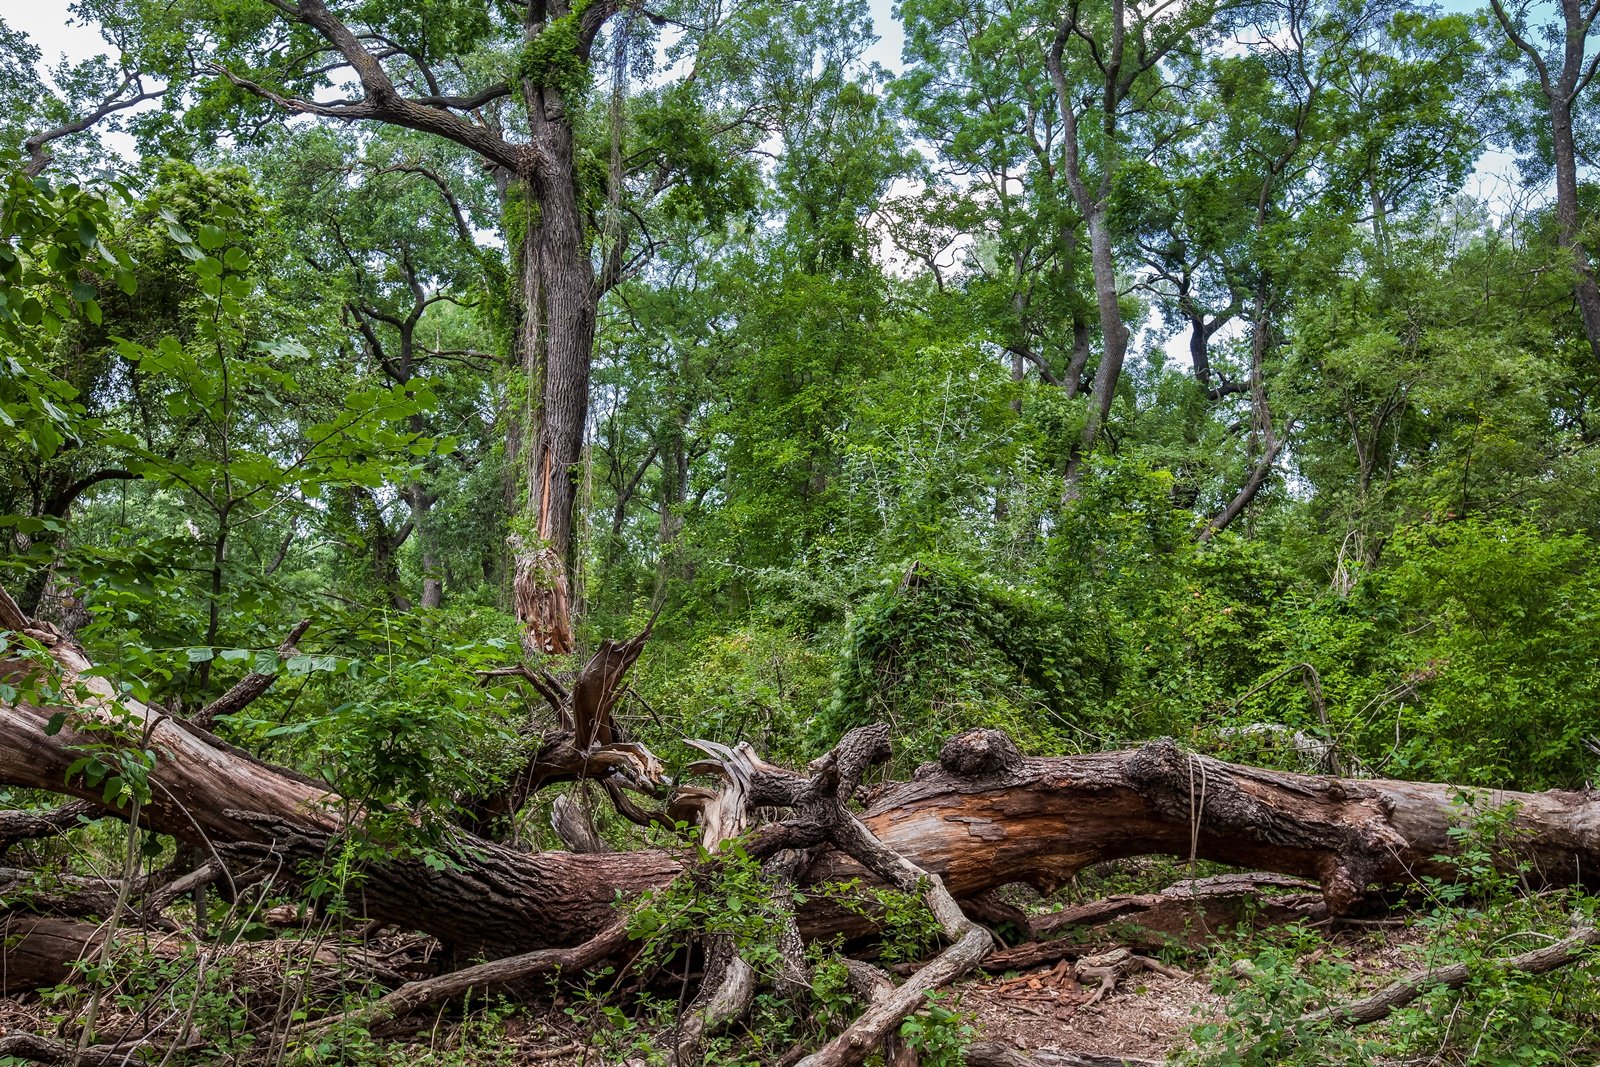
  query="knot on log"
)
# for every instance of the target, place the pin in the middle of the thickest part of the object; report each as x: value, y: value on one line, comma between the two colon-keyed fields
x: 980, y: 753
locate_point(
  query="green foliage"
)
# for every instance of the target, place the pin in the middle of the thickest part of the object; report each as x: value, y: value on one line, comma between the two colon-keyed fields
x: 908, y: 931
x: 937, y: 1034
x: 848, y: 329
x: 552, y: 58
x: 396, y: 715
x: 940, y: 649
x: 726, y: 896
x: 50, y: 237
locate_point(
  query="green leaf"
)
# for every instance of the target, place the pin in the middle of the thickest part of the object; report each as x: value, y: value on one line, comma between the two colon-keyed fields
x: 211, y: 237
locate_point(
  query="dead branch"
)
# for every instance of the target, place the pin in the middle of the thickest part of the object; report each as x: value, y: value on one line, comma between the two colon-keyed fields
x: 414, y: 996
x: 1183, y: 914
x: 1403, y: 990
x: 252, y: 685
x: 982, y: 817
x: 19, y: 826
x: 37, y: 1049
x: 994, y: 1054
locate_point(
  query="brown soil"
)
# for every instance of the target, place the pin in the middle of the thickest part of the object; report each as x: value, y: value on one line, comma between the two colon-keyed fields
x: 1149, y: 1016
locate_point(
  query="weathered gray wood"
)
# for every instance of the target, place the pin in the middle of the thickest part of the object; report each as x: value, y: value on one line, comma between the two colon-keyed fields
x: 981, y: 818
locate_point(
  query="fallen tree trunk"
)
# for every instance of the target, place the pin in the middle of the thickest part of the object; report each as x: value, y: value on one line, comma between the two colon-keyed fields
x: 19, y: 826
x: 994, y: 1054
x: 38, y: 951
x: 981, y: 817
x: 1184, y: 915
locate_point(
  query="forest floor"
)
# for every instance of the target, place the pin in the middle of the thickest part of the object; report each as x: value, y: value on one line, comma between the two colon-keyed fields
x: 1147, y: 1016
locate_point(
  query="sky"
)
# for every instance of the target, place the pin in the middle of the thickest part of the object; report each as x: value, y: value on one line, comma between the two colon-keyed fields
x: 46, y: 22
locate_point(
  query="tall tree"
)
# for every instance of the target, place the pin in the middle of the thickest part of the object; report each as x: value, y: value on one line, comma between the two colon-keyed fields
x: 513, y: 86
x: 1563, y: 69
x: 1104, y: 63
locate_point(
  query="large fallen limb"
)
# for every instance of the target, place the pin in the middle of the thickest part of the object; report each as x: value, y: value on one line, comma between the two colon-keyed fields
x: 1185, y: 914
x: 249, y: 813
x: 982, y: 817
x: 19, y: 826
x: 414, y: 996
x: 36, y: 951
x: 37, y: 1049
x: 979, y: 821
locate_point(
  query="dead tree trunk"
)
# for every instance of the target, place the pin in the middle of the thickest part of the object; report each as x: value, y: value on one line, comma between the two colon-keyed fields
x: 982, y: 817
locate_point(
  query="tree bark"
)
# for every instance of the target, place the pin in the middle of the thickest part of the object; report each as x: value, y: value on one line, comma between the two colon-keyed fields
x: 1562, y: 84
x: 560, y: 302
x: 1113, y: 332
x: 981, y: 817
x: 1584, y: 289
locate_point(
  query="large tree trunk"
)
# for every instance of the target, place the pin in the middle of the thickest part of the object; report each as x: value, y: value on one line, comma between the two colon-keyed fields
x: 1584, y: 289
x: 1113, y: 333
x: 560, y: 301
x: 1562, y: 84
x: 980, y: 818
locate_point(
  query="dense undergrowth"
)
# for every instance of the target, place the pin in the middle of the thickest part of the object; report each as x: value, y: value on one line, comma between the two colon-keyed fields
x: 844, y: 444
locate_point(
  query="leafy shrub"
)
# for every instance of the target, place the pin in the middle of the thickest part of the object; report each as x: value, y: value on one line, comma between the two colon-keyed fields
x: 940, y: 649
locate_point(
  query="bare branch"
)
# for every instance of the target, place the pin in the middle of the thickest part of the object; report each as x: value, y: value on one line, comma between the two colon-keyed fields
x: 40, y: 157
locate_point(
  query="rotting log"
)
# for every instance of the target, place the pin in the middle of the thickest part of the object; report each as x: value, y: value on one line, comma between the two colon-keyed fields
x: 37, y: 950
x: 19, y: 826
x: 36, y: 1048
x: 979, y: 820
x: 995, y: 1054
x: 981, y: 817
